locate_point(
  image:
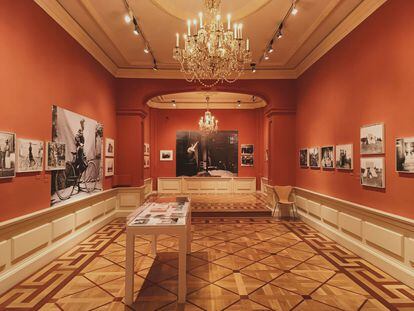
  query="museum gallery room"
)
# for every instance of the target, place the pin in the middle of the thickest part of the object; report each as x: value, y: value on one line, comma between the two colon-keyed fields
x: 206, y: 155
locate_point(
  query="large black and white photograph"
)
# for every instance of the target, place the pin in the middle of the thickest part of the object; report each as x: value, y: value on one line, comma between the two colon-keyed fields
x: 55, y: 156
x: 7, y: 155
x: 109, y: 147
x: 344, y: 157
x: 373, y: 172
x: 404, y: 148
x: 372, y: 139
x: 314, y: 158
x: 303, y: 157
x: 30, y: 154
x: 207, y: 155
x: 83, y: 140
x: 327, y: 157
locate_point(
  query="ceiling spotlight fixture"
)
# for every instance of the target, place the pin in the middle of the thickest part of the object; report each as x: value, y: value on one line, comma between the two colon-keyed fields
x: 155, y: 67
x: 127, y: 18
x: 173, y: 103
x: 214, y: 48
x: 270, y: 47
x: 146, y: 49
x: 294, y: 8
x: 279, y: 33
x: 266, y: 57
x: 253, y: 65
x: 238, y: 103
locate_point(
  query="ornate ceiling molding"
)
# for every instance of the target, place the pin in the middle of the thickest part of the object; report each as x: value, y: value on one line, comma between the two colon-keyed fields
x: 59, y: 14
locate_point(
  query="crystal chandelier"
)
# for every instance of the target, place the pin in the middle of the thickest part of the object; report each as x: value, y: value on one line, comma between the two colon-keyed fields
x: 208, y: 124
x: 213, y: 50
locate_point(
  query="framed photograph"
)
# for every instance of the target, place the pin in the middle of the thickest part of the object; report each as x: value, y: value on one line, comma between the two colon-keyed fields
x: 109, y: 167
x: 372, y: 139
x: 7, y: 155
x: 247, y: 160
x: 345, y: 157
x: 166, y: 155
x: 303, y: 157
x: 404, y: 148
x: 327, y: 157
x: 30, y: 154
x: 109, y: 147
x: 55, y: 156
x: 247, y: 149
x: 146, y: 148
x: 373, y: 172
x: 146, y: 161
x: 314, y: 158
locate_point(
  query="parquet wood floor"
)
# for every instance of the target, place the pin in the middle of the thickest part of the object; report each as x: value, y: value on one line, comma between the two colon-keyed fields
x: 235, y: 264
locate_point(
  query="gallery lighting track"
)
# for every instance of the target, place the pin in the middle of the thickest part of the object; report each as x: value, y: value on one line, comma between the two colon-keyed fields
x: 137, y: 30
x: 278, y: 33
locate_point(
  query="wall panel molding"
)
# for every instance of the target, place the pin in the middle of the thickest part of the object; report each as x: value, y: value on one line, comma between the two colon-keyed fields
x: 384, y: 239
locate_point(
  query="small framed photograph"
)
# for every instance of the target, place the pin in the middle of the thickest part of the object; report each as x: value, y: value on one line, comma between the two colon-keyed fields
x: 373, y: 172
x: 372, y: 139
x: 166, y: 155
x: 109, y: 147
x: 327, y: 157
x: 404, y: 149
x: 247, y: 160
x: 146, y: 161
x: 146, y: 148
x: 55, y: 156
x: 303, y: 157
x: 7, y: 155
x: 314, y: 158
x: 247, y: 149
x: 30, y: 154
x: 109, y: 167
x: 344, y: 157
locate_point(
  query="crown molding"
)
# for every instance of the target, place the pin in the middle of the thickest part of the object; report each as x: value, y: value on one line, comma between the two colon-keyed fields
x: 168, y: 105
x: 278, y: 111
x: 66, y: 21
x: 132, y: 112
x: 353, y: 20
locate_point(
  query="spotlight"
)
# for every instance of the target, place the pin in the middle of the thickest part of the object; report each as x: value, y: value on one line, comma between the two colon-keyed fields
x: 146, y: 49
x: 253, y: 66
x: 279, y: 33
x: 173, y: 103
x: 270, y: 47
x: 127, y: 18
x: 155, y: 67
x: 294, y: 10
x: 136, y: 32
x: 266, y: 57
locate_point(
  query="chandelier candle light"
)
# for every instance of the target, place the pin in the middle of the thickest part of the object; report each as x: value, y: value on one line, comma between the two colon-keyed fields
x: 213, y: 51
x: 208, y: 124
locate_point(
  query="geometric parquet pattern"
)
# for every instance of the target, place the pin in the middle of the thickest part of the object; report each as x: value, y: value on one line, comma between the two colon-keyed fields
x: 235, y: 264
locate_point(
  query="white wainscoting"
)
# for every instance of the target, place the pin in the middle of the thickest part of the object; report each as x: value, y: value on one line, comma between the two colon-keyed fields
x: 263, y: 182
x: 214, y: 185
x: 384, y: 239
x: 30, y: 242
x: 147, y: 187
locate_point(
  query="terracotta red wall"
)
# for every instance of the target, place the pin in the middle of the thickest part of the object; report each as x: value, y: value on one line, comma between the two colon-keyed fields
x: 167, y: 122
x: 41, y: 66
x: 366, y: 78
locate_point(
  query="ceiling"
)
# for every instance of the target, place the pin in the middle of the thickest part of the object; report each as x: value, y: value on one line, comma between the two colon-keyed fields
x: 197, y: 100
x: 100, y: 27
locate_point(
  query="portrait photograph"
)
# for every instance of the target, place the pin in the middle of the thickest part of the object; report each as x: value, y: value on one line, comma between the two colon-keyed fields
x: 247, y: 149
x: 404, y: 148
x: 55, y: 156
x: 7, y: 155
x: 146, y: 148
x: 30, y: 154
x: 344, y: 157
x: 372, y: 139
x: 314, y: 159
x: 146, y: 161
x: 373, y: 172
x: 109, y: 147
x: 109, y: 167
x: 327, y: 157
x: 166, y: 155
x: 303, y: 157
x: 247, y: 160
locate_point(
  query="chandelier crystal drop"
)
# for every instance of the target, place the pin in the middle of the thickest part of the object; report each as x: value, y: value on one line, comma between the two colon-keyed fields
x: 208, y: 124
x: 214, y: 50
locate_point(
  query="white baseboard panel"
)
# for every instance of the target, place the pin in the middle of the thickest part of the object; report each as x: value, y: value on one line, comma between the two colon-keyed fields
x: 383, y: 239
x: 25, y: 268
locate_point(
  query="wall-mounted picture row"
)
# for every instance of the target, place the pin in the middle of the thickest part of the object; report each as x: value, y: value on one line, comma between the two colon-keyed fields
x: 342, y: 159
x: 247, y: 154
